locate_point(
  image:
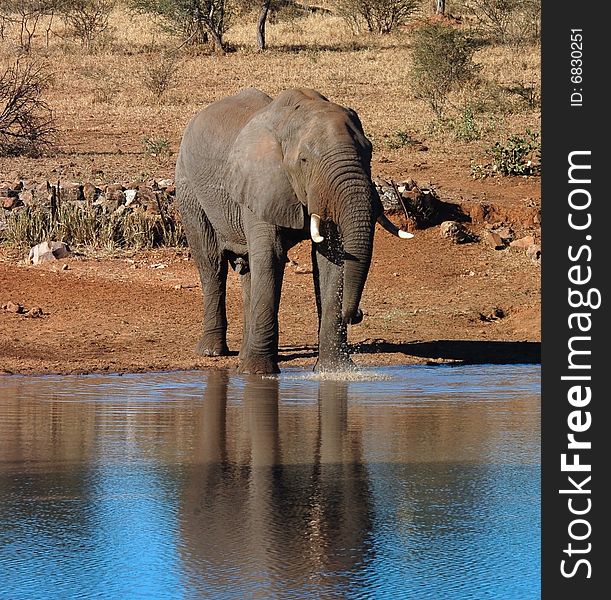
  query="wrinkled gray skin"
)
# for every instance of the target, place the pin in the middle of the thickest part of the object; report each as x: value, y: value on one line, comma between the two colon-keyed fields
x: 249, y: 173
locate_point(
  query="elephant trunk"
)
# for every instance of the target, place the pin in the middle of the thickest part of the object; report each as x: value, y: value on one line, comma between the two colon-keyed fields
x: 357, y: 224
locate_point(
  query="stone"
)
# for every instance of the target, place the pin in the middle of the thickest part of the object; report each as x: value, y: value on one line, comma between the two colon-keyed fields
x: 71, y: 192
x: 534, y: 252
x: 505, y: 233
x: 11, y: 202
x: 91, y: 192
x: 48, y: 252
x: 7, y: 191
x: 147, y: 198
x: 44, y: 257
x: 34, y: 312
x: 457, y: 232
x: 494, y: 240
x: 130, y: 196
x: 115, y: 195
x: 13, y: 307
x: 27, y: 197
x: 524, y: 242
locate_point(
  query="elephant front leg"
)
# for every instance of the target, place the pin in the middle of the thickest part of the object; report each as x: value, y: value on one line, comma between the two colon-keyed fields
x: 333, y: 352
x: 245, y: 279
x: 259, y: 353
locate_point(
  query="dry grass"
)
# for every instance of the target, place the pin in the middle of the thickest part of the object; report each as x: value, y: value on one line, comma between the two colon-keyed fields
x: 104, y: 109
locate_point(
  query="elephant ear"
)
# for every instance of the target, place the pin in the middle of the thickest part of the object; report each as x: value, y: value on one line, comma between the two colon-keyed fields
x: 257, y: 178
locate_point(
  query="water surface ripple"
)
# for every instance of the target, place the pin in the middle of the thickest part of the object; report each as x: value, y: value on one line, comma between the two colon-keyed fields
x: 395, y: 483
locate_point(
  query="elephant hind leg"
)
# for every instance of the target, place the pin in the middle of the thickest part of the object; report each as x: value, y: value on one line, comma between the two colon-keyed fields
x: 212, y: 267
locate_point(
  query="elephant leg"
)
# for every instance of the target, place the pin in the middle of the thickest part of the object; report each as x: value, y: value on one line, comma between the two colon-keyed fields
x: 213, y: 276
x: 212, y: 268
x: 267, y: 258
x: 246, y: 301
x: 332, y: 332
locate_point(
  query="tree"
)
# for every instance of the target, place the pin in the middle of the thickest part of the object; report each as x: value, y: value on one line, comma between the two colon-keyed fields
x: 27, y: 14
x: 379, y: 16
x: 196, y: 21
x: 263, y: 12
x: 26, y: 121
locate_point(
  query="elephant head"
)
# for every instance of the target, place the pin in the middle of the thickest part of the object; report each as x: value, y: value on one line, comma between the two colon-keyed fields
x: 303, y: 161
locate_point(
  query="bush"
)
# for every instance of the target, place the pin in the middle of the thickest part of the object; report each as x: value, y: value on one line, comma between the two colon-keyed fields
x: 27, y: 15
x: 465, y: 126
x: 442, y: 58
x: 520, y: 155
x: 196, y: 21
x: 26, y: 121
x: 87, y: 18
x: 379, y: 16
x: 88, y: 226
x: 504, y: 21
x: 160, y: 74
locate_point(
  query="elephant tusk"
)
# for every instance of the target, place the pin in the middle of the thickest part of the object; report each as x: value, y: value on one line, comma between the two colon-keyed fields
x: 392, y: 228
x: 315, y: 229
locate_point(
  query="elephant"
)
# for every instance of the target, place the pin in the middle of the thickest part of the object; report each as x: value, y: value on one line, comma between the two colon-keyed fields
x: 254, y: 177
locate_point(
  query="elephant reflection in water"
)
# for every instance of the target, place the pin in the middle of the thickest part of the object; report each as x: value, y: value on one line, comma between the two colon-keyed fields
x: 270, y: 508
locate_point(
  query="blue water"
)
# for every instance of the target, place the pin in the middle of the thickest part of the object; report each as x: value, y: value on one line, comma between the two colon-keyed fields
x: 405, y: 482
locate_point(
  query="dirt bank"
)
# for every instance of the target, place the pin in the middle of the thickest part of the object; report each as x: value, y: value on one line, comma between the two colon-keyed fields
x: 426, y: 300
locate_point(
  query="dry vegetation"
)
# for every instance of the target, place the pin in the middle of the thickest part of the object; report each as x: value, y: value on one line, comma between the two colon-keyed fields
x: 107, y: 106
x: 120, y: 107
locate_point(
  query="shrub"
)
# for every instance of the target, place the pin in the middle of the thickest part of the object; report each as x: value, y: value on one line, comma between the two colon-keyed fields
x: 27, y: 15
x: 401, y: 139
x: 87, y: 18
x: 520, y: 155
x: 196, y: 21
x: 79, y: 225
x: 379, y: 16
x: 160, y: 74
x: 26, y: 121
x: 442, y: 58
x: 515, y: 21
x: 158, y: 148
x: 465, y: 126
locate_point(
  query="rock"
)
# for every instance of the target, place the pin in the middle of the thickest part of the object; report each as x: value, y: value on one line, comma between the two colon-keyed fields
x: 165, y: 183
x: 457, y: 232
x: 524, y: 242
x: 505, y: 233
x: 91, y: 193
x: 45, y: 257
x: 494, y: 240
x: 13, y: 307
x: 147, y: 198
x: 495, y: 315
x: 534, y: 252
x: 48, y: 251
x: 71, y: 192
x: 130, y: 196
x: 34, y: 312
x: 27, y: 197
x: 42, y: 192
x: 115, y: 195
x: 477, y: 213
x: 7, y: 191
x: 11, y: 202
